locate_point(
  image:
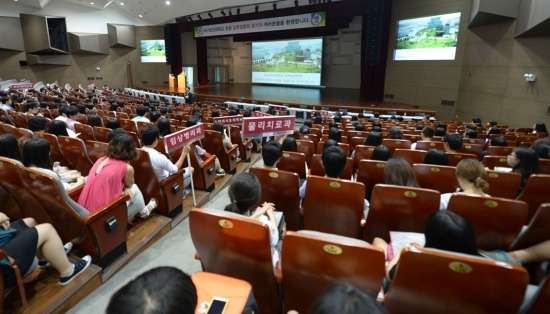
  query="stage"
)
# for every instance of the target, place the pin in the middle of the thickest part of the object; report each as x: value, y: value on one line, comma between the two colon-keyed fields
x: 313, y: 98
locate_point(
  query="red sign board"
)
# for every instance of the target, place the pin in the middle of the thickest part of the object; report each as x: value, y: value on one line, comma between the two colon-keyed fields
x: 268, y: 126
x: 229, y: 120
x: 323, y: 113
x: 22, y: 86
x: 277, y: 107
x: 183, y: 137
x: 259, y: 113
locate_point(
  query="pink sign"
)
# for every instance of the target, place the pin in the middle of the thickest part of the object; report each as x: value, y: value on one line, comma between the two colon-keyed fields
x: 183, y: 137
x: 21, y: 86
x: 229, y: 120
x: 277, y: 107
x: 323, y: 113
x: 259, y: 113
x: 268, y: 126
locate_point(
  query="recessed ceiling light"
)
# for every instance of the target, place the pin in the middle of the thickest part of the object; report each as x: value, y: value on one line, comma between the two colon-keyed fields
x: 92, y: 3
x: 167, y: 2
x: 122, y: 3
x: 140, y: 15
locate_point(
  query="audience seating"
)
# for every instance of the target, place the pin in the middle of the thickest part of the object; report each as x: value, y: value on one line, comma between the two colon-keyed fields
x: 434, y: 281
x: 307, y: 148
x: 540, y: 303
x: 293, y: 162
x: 344, y: 146
x: 10, y: 262
x: 370, y: 173
x: 412, y: 156
x: 455, y: 158
x: 412, y: 137
x: 503, y: 184
x: 55, y: 150
x: 88, y: 232
x: 86, y: 131
x: 393, y: 144
x: 287, y: 199
x: 537, y: 231
x: 237, y: 246
x: 474, y: 149
x: 95, y: 149
x: 356, y: 140
x: 333, y: 206
x: 74, y: 151
x: 314, y: 261
x: 312, y: 137
x: 317, y: 168
x: 544, y: 166
x: 399, y: 208
x: 361, y: 152
x: 204, y: 176
x: 491, y: 162
x: 499, y: 150
x: 245, y: 146
x: 23, y: 134
x: 128, y: 125
x: 101, y: 134
x: 213, y: 144
x: 6, y: 128
x: 496, y: 221
x: 167, y: 192
x: 427, y: 145
x: 475, y: 141
x: 535, y: 192
x: 440, y: 178
x: 20, y: 120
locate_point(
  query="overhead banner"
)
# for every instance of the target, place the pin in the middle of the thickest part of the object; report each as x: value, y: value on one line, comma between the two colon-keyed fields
x: 268, y: 126
x: 309, y: 20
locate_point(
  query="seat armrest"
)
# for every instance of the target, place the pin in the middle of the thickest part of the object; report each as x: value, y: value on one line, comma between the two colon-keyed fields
x: 248, y: 143
x: 173, y: 177
x: 74, y: 194
x: 232, y: 152
x: 209, y: 164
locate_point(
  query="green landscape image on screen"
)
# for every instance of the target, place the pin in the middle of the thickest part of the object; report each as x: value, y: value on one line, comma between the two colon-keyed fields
x: 152, y: 48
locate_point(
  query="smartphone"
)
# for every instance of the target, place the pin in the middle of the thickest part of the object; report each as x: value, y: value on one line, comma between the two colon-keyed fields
x: 217, y: 306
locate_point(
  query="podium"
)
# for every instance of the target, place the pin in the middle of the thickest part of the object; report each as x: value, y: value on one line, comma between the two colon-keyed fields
x: 172, y: 81
x: 181, y: 81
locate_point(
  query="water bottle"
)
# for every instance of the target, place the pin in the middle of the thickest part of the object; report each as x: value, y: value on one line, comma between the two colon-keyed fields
x: 56, y: 166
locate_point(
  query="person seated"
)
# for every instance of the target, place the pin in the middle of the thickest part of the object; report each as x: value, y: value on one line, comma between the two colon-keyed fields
x: 24, y: 239
x: 395, y: 133
x: 5, y: 103
x: 445, y: 230
x: 154, y: 116
x: 271, y: 153
x: 202, y: 154
x: 141, y: 112
x: 539, y: 252
x: 358, y: 127
x: 470, y: 133
x: 36, y: 153
x: 95, y: 120
x: 539, y: 127
x: 59, y: 127
x: 72, y: 112
x: 111, y: 176
x: 62, y: 112
x: 9, y: 147
x: 162, y: 166
x: 244, y: 194
x: 334, y: 134
x: 30, y: 108
x: 524, y: 161
x: 440, y: 131
x: 542, y: 149
x: 289, y: 144
x: 427, y: 134
x: 472, y: 180
x: 334, y: 161
x: 158, y: 290
x: 37, y: 124
x: 226, y: 141
x: 436, y: 157
x: 112, y: 124
x: 381, y: 152
x: 164, y: 126
x: 399, y: 172
x: 452, y: 143
x: 373, y: 139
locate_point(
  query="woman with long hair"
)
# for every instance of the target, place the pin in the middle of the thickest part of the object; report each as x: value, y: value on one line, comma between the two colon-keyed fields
x: 524, y: 161
x: 472, y: 179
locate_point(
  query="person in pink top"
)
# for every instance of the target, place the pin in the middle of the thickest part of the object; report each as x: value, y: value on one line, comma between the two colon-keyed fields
x: 112, y: 176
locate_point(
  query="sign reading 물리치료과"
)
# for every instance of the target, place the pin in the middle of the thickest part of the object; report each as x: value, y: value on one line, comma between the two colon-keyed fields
x: 268, y: 126
x: 308, y: 20
x: 229, y: 120
x: 183, y: 137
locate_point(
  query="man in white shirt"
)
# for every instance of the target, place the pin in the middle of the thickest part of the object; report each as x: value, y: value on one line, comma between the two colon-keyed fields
x: 141, y: 112
x: 162, y: 166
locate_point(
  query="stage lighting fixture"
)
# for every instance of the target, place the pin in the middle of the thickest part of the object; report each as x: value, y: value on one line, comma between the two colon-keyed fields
x: 296, y: 3
x: 210, y: 14
x: 199, y: 16
x: 238, y: 11
x: 257, y: 9
x: 274, y: 6
x: 223, y: 12
x: 190, y: 18
x: 230, y: 12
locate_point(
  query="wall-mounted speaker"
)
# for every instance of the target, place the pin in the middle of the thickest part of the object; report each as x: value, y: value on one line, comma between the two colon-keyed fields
x: 23, y: 63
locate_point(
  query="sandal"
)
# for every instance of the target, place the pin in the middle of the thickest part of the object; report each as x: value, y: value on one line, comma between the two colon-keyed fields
x: 146, y: 212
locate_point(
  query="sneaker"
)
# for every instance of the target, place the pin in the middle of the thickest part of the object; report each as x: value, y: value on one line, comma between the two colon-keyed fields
x: 186, y: 192
x: 220, y: 172
x: 499, y: 256
x: 44, y: 263
x: 146, y: 212
x: 79, y: 267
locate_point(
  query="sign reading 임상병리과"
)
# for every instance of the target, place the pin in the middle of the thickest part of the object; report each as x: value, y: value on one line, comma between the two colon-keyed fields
x: 309, y: 20
x: 268, y: 126
x: 183, y: 137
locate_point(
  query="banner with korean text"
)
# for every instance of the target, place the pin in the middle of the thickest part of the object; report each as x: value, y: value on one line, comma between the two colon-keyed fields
x: 259, y: 113
x: 20, y: 86
x: 229, y: 120
x: 183, y: 137
x: 268, y: 126
x: 308, y: 20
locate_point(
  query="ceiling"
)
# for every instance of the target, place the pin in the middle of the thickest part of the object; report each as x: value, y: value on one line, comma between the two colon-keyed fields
x: 158, y: 12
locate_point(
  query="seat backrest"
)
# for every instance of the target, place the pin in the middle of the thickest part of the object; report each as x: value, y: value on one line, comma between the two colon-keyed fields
x: 499, y: 150
x: 537, y: 231
x: 496, y: 221
x: 355, y: 140
x: 101, y: 134
x: 361, y: 152
x: 141, y: 125
x: 393, y: 144
x: 317, y: 168
x: 495, y: 161
x: 427, y: 145
x: 311, y: 137
x: 293, y: 162
x: 74, y: 151
x: 128, y: 125
x: 333, y: 206
x: 455, y: 158
x: 370, y: 173
x: 286, y: 200
x: 412, y: 156
x: 96, y: 149
x: 535, y: 192
x: 86, y: 131
x: 55, y: 150
x: 540, y: 303
x: 399, y: 208
x: 503, y: 184
x: 344, y: 146
x: 6, y: 128
x: 544, y: 166
x: 236, y: 246
x: 476, y: 149
x: 440, y: 178
x: 457, y: 283
x: 306, y: 147
x: 314, y: 261
x: 213, y: 144
x: 22, y: 134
